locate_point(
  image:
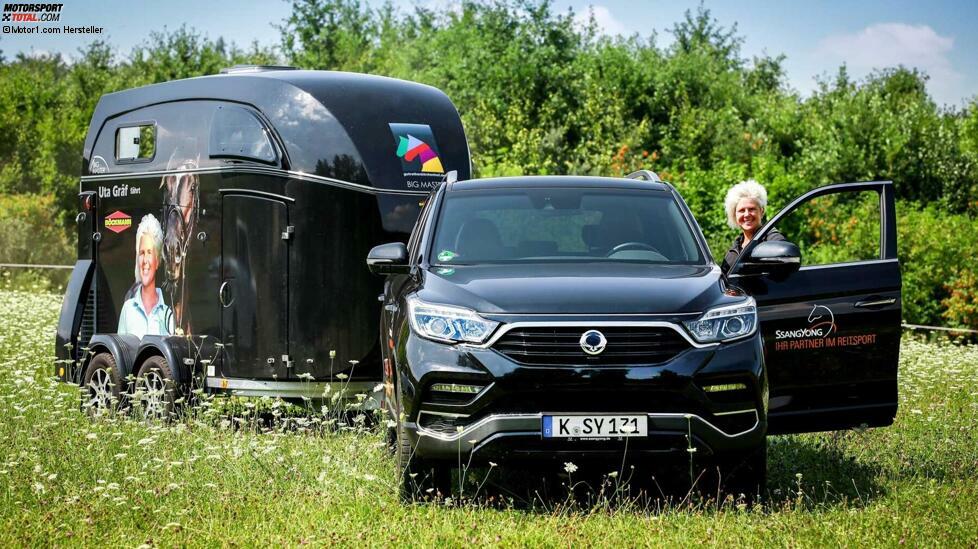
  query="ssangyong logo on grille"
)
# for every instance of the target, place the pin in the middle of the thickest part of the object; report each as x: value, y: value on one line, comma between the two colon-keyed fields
x: 593, y: 342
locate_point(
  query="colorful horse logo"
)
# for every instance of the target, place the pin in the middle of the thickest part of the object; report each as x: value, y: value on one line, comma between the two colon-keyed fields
x: 410, y: 147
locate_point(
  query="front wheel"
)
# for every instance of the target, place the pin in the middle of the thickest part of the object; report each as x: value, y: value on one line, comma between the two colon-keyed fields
x: 419, y: 479
x: 741, y: 473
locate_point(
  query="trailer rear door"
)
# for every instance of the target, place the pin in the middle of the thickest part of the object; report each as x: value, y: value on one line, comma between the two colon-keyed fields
x: 254, y: 287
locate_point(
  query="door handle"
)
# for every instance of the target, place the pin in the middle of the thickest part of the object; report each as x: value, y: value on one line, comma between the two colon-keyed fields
x: 222, y: 295
x: 875, y: 303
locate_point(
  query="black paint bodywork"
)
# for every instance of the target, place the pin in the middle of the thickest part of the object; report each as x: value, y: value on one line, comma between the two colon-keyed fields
x: 284, y: 240
x: 829, y: 389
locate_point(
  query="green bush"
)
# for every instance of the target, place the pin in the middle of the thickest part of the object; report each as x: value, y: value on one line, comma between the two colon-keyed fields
x: 31, y: 233
x: 937, y: 256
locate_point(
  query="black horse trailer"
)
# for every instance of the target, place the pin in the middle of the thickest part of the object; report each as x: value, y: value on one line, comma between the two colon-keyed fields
x: 223, y: 224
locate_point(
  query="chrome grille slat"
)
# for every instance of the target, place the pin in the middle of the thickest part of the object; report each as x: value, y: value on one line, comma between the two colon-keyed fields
x: 560, y: 346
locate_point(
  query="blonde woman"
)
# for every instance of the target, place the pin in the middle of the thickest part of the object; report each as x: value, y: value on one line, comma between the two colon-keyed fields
x: 145, y: 312
x: 745, y: 205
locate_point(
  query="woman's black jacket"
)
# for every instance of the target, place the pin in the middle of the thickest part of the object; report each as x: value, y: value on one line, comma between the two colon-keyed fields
x: 734, y: 252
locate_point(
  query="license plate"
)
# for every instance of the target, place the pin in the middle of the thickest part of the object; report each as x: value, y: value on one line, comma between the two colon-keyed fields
x: 594, y: 426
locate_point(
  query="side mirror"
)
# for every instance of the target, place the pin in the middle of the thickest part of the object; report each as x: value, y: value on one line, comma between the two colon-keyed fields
x: 779, y: 258
x: 388, y: 259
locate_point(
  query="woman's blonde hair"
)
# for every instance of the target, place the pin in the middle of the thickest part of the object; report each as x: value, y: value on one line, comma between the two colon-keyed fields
x: 745, y: 189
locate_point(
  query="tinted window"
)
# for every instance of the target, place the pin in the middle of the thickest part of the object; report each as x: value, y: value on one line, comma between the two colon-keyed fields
x: 554, y: 224
x: 237, y: 133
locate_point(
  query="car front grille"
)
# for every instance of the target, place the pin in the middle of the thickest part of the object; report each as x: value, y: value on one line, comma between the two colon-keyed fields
x: 560, y: 346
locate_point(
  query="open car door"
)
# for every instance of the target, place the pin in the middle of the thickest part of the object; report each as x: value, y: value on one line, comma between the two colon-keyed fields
x: 831, y: 330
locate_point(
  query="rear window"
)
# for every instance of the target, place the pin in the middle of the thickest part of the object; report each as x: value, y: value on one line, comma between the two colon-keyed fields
x: 559, y: 224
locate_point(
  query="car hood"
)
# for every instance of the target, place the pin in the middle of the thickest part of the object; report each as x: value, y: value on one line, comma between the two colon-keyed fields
x: 575, y: 288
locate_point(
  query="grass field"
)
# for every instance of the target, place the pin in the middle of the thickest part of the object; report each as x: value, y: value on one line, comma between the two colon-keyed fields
x: 69, y: 480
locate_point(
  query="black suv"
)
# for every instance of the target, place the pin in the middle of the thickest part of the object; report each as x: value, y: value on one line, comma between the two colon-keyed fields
x: 580, y: 318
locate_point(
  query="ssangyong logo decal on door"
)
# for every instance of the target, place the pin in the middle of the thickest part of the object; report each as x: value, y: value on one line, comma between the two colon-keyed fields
x: 117, y: 221
x: 819, y: 334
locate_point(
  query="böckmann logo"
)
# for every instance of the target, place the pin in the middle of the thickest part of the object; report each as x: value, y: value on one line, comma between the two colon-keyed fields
x: 118, y: 221
x: 32, y: 13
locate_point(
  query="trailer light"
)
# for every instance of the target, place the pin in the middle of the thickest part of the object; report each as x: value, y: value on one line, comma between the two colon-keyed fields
x: 456, y: 388
x: 724, y: 387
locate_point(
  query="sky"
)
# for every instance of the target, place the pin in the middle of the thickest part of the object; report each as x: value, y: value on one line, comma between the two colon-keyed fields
x: 937, y: 37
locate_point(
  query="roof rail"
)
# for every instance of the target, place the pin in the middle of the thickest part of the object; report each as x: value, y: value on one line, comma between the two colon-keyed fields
x: 647, y: 175
x: 256, y: 68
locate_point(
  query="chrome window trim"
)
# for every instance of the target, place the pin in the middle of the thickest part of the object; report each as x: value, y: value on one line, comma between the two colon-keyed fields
x: 253, y: 169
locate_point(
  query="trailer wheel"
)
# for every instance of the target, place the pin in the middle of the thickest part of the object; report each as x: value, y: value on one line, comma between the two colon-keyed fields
x: 103, y: 386
x: 157, y: 389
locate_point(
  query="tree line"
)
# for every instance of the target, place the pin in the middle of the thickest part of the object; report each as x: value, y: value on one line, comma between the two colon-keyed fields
x: 541, y: 93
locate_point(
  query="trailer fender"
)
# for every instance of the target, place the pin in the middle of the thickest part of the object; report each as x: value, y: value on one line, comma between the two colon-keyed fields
x: 175, y: 349
x: 66, y: 343
x: 122, y: 347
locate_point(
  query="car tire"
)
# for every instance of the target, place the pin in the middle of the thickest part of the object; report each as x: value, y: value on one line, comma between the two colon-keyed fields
x: 104, y: 386
x: 157, y: 389
x: 390, y: 438
x: 741, y: 474
x: 419, y: 479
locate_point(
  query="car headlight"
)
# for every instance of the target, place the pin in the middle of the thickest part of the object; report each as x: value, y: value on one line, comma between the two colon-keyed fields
x: 448, y: 324
x: 723, y: 323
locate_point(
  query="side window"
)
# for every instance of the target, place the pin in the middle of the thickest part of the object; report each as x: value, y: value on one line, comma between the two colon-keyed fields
x: 836, y: 228
x: 135, y: 143
x: 237, y: 133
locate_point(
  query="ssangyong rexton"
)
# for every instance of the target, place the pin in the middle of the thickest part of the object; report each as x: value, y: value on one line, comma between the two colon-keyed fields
x: 571, y: 318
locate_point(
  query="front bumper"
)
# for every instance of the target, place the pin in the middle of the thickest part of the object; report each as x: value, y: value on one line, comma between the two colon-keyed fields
x: 505, y: 420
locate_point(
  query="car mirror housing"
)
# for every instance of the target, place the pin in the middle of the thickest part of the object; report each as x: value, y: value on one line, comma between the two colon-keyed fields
x: 388, y: 259
x: 779, y: 258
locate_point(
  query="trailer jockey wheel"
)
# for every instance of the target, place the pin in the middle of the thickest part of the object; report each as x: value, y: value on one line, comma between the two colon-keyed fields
x: 156, y: 389
x: 103, y: 387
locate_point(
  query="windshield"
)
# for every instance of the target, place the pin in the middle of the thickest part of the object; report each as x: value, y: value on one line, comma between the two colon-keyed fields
x: 560, y: 224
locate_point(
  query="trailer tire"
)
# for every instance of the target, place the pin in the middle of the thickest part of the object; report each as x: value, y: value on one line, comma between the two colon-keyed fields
x: 104, y: 386
x: 157, y: 390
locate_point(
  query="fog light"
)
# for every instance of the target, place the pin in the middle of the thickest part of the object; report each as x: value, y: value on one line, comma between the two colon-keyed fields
x: 456, y: 388
x: 724, y: 387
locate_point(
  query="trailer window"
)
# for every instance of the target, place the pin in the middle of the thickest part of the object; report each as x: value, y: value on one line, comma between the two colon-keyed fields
x: 135, y: 143
x: 237, y: 133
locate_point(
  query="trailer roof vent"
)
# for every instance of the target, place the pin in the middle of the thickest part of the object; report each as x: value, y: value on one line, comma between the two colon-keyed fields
x: 237, y: 69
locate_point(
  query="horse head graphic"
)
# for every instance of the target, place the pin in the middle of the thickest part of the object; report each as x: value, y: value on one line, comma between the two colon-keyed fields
x: 822, y: 317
